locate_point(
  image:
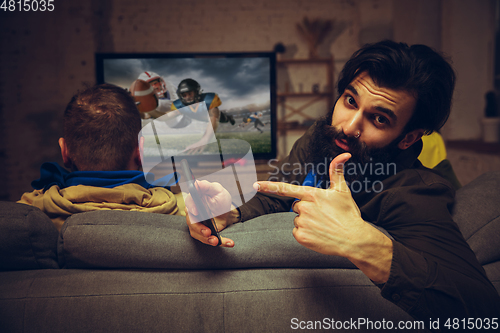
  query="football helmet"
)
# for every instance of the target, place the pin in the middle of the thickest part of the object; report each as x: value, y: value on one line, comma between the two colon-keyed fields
x: 157, y: 82
x: 188, y: 85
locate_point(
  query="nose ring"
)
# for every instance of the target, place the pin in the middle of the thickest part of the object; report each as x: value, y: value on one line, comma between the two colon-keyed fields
x: 358, y: 134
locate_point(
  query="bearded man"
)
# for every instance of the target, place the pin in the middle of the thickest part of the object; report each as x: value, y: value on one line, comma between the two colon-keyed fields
x: 396, y: 227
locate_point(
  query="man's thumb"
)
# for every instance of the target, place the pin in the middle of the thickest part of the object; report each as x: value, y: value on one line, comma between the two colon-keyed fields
x: 337, y: 180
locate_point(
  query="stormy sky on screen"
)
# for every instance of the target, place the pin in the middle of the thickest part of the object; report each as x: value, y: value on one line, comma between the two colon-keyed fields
x: 238, y: 81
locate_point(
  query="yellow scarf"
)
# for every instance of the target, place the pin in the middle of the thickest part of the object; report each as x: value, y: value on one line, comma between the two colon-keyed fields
x: 60, y: 204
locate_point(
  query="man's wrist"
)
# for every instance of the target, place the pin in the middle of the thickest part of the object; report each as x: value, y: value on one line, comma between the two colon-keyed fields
x: 234, y: 215
x: 374, y: 255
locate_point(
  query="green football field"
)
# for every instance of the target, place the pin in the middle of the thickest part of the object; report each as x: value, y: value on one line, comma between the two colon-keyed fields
x: 260, y: 143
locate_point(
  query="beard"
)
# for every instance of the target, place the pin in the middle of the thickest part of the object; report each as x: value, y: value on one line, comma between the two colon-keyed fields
x: 323, y: 150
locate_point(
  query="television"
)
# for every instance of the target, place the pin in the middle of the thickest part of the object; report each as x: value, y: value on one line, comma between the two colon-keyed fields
x: 245, y: 83
x: 241, y: 85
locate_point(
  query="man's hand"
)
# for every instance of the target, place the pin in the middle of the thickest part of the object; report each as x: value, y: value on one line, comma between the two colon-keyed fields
x: 329, y: 222
x: 219, y: 202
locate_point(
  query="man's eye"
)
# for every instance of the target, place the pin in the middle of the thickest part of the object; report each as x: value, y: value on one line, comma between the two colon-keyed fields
x: 350, y: 100
x: 381, y: 119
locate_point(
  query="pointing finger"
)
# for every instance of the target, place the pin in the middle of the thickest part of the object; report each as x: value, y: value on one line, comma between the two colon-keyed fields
x: 282, y: 189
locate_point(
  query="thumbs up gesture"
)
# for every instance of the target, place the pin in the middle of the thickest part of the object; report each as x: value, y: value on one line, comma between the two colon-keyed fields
x: 329, y: 222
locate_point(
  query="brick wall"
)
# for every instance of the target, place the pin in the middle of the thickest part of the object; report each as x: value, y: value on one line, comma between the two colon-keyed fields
x: 46, y: 57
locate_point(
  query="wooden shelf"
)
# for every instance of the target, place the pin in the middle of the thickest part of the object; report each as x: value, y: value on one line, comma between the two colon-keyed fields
x: 476, y: 146
x: 292, y: 125
x: 304, y: 61
x: 299, y: 102
x: 311, y: 94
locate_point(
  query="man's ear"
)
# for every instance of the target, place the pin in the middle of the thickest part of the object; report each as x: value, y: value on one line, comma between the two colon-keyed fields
x: 141, y: 145
x: 139, y: 151
x: 410, y: 138
x: 65, y: 153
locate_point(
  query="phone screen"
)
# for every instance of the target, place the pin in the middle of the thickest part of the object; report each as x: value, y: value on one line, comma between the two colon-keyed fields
x: 204, y: 214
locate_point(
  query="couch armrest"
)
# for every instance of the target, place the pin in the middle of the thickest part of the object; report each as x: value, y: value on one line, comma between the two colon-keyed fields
x: 28, y: 238
x: 477, y: 213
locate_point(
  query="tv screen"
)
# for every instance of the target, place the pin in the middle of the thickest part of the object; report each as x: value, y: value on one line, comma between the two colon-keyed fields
x: 238, y: 89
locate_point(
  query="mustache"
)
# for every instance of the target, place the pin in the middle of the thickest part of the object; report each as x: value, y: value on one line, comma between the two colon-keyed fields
x: 327, y: 134
x: 324, y: 149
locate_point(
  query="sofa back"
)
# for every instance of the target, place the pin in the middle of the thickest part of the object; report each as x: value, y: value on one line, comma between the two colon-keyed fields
x: 116, y: 239
x: 28, y: 238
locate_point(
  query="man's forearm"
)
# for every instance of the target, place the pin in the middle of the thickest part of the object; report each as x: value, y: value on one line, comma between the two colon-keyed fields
x: 372, y: 254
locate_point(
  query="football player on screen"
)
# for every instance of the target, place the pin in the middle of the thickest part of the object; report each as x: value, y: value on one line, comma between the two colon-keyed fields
x: 255, y: 119
x: 194, y: 104
x: 164, y: 91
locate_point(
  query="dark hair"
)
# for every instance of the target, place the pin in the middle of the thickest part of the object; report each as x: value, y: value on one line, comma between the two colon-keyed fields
x: 101, y: 128
x: 417, y: 69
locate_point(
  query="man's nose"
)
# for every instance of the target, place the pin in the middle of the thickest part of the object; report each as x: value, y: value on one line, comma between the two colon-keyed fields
x: 353, y: 127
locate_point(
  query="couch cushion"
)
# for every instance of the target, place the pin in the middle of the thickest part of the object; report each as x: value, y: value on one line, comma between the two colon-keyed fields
x: 28, y: 239
x: 143, y: 240
x: 477, y: 213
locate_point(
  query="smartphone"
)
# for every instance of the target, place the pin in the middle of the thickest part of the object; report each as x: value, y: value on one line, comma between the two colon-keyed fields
x: 199, y: 200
